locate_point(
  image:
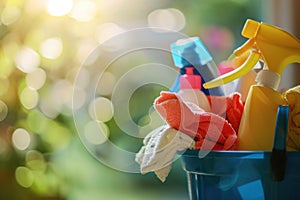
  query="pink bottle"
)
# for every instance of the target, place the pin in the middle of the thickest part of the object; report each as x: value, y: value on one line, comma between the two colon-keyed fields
x: 190, y: 89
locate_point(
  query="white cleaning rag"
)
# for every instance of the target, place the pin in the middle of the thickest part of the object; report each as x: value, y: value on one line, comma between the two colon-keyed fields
x: 159, y: 150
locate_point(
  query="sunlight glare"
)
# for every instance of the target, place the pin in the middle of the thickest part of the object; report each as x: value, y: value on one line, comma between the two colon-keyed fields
x: 59, y: 7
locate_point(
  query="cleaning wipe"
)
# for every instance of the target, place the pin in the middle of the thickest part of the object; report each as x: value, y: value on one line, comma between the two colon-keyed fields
x: 205, y: 127
x: 159, y: 150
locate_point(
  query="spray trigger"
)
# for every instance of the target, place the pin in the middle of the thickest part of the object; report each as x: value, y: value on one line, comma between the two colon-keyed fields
x: 238, y: 72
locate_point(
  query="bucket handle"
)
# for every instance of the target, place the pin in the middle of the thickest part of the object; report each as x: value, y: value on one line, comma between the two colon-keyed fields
x: 278, y: 157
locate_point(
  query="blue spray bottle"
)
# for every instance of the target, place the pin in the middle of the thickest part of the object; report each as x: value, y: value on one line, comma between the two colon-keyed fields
x: 191, y: 52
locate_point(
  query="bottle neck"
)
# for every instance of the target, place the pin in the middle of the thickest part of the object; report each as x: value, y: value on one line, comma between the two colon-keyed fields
x: 190, y: 80
x: 268, y: 79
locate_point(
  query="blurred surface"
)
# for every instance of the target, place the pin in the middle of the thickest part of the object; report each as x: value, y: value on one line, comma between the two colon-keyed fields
x: 286, y: 15
x: 44, y: 44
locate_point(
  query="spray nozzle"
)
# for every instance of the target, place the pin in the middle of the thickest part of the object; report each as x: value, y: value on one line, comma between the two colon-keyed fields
x: 190, y: 51
x: 276, y: 47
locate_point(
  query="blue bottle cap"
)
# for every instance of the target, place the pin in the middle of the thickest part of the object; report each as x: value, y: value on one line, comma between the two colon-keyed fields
x: 191, y: 51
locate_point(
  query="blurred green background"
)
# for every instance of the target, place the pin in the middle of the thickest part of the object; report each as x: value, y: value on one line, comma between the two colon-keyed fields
x: 43, y: 43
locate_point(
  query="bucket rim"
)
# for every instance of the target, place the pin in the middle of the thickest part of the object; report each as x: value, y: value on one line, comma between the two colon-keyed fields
x: 234, y: 153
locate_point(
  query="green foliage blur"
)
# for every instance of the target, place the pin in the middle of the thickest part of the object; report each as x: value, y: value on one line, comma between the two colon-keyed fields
x: 42, y: 46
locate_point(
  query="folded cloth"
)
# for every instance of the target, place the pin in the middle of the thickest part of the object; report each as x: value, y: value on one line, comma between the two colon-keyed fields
x: 159, y: 150
x: 209, y: 130
x: 292, y: 96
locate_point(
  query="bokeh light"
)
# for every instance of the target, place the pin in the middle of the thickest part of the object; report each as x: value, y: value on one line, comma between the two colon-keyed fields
x: 10, y: 15
x: 168, y: 19
x: 101, y: 109
x: 36, y: 79
x: 27, y: 60
x: 85, y: 47
x: 218, y: 38
x: 84, y: 11
x: 51, y: 48
x: 24, y: 177
x: 57, y: 98
x: 35, y: 160
x: 29, y: 98
x: 49, y: 107
x: 61, y: 94
x: 3, y: 110
x: 58, y: 7
x: 21, y: 139
x: 79, y: 98
x: 107, y: 30
x: 96, y: 132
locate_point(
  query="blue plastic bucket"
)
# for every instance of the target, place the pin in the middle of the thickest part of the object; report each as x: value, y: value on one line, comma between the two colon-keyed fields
x: 239, y: 175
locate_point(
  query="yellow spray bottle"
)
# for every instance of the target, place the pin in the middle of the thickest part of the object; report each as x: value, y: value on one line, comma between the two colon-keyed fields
x: 277, y: 48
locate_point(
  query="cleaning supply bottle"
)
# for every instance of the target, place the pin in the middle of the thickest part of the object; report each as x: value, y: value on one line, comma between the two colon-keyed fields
x: 277, y: 49
x: 190, y: 89
x: 191, y: 52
